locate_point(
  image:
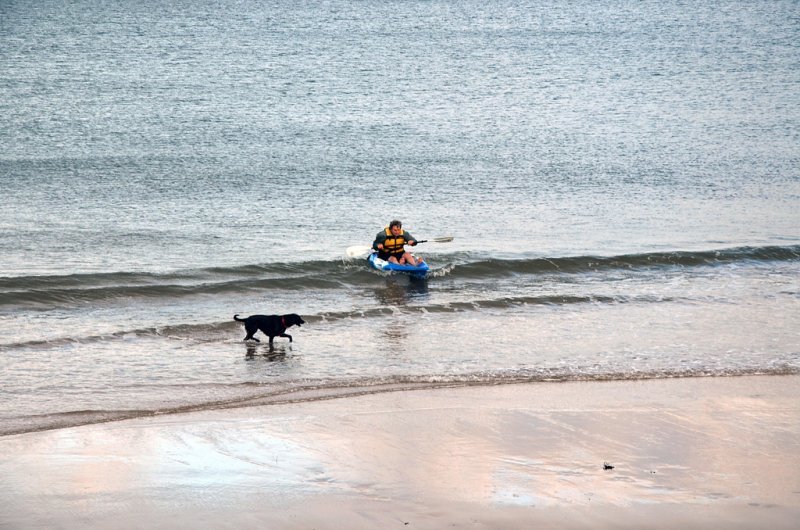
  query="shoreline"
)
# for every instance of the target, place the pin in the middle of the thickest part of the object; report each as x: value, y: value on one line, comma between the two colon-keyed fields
x: 695, y: 452
x: 19, y: 425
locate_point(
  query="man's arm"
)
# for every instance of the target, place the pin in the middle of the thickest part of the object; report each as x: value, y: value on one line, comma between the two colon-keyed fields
x: 380, y: 239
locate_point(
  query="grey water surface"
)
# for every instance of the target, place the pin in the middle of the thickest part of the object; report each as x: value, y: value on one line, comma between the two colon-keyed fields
x: 620, y: 178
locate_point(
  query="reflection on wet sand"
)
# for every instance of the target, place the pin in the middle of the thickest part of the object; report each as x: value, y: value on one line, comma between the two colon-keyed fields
x: 707, y: 453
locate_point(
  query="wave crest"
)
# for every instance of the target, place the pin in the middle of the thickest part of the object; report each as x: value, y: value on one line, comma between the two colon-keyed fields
x: 46, y: 292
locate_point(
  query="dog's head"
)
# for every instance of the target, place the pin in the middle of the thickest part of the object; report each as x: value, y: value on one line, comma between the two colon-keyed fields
x: 293, y: 320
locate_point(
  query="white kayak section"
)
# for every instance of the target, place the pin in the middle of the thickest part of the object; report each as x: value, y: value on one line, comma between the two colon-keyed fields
x: 419, y: 271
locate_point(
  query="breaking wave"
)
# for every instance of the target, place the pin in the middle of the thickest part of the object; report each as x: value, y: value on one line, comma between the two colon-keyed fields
x: 46, y: 292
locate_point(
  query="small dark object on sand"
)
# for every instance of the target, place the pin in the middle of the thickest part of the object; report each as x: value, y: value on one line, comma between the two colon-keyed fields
x: 606, y: 465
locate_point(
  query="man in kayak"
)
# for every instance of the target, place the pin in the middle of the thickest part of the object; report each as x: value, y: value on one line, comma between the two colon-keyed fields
x: 390, y: 244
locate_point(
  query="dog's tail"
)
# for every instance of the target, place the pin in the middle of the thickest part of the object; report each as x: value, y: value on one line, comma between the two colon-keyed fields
x: 237, y: 319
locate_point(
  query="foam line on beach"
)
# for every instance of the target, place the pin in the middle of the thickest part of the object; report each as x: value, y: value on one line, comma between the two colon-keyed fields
x: 258, y: 394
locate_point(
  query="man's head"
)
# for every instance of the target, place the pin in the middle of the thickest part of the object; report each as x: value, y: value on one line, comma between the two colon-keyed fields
x: 396, y: 227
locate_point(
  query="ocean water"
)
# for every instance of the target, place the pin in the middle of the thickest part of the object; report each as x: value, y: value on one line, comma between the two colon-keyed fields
x: 621, y: 181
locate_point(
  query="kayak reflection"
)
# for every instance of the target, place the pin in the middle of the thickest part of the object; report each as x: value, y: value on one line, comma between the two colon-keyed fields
x: 399, y: 291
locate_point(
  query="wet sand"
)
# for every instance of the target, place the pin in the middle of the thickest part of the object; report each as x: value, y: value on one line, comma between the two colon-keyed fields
x: 692, y: 453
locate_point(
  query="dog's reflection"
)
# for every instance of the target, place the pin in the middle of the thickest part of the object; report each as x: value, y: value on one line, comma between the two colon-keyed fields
x: 269, y: 352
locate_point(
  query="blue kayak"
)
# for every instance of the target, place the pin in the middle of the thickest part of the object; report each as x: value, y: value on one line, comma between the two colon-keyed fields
x: 419, y: 271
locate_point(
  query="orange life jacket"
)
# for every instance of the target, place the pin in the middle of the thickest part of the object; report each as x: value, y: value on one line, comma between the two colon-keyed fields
x: 394, y: 244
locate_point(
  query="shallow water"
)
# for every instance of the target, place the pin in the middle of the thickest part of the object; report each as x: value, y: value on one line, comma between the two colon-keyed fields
x: 621, y: 183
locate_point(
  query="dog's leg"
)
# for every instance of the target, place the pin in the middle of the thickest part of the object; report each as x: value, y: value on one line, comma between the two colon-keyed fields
x: 250, y: 332
x: 286, y: 335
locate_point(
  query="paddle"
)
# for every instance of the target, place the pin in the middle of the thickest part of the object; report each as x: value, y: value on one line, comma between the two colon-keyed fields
x: 443, y: 239
x: 359, y: 251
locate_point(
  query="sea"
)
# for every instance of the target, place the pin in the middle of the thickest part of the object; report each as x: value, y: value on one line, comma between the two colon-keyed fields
x: 621, y: 181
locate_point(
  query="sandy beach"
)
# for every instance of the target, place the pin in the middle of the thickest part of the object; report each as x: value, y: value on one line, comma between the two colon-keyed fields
x: 696, y: 453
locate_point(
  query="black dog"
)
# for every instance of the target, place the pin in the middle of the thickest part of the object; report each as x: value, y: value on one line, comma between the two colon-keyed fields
x: 270, y: 325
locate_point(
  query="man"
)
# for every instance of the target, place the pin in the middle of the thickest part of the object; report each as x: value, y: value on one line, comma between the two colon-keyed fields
x: 390, y: 244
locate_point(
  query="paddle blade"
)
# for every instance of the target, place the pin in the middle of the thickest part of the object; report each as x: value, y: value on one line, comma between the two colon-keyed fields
x: 358, y: 251
x: 443, y: 239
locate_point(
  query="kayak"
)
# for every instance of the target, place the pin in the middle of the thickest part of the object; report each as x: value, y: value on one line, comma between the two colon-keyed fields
x: 419, y: 271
